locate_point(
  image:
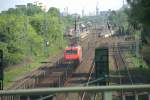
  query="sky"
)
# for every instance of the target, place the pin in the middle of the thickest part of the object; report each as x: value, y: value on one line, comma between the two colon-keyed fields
x: 74, y: 6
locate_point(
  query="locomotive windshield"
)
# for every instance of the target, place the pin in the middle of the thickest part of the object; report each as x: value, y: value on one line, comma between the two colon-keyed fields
x: 71, y: 52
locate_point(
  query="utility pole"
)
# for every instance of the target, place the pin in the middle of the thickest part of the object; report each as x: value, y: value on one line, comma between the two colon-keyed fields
x: 82, y: 12
x: 97, y: 9
x: 26, y: 23
x: 77, y: 31
x: 46, y: 42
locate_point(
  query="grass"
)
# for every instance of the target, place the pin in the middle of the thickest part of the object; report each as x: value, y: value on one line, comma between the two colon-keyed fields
x: 137, y: 66
x: 13, y: 73
x: 135, y: 62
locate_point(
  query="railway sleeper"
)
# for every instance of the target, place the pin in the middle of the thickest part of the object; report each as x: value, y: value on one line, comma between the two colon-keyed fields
x: 36, y: 78
x: 53, y: 80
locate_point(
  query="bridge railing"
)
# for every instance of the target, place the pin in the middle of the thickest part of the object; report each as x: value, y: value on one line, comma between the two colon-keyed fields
x: 106, y: 92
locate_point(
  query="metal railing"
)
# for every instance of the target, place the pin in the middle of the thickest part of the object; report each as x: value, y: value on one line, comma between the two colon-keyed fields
x: 105, y: 91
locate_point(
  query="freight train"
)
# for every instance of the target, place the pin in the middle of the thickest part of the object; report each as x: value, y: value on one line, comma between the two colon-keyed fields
x: 73, y: 54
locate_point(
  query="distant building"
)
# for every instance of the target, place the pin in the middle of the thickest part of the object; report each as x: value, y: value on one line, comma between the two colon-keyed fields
x: 104, y: 13
x: 20, y: 6
x: 29, y: 4
x: 65, y: 12
x: 41, y: 5
x: 3, y: 12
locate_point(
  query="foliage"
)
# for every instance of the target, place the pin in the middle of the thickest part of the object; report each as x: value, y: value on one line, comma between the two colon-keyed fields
x: 14, y: 40
x: 119, y: 20
x: 54, y: 12
x: 28, y: 9
x: 26, y: 32
x: 139, y: 12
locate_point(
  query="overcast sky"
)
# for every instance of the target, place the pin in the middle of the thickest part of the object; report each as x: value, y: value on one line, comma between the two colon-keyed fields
x: 74, y: 6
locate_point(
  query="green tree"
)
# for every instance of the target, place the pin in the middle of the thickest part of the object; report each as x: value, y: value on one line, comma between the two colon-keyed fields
x: 26, y: 32
x: 139, y: 11
x: 54, y: 11
x: 14, y: 41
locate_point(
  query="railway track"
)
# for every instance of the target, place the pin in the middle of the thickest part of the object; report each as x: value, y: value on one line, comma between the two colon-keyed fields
x: 129, y: 76
x: 60, y: 74
x: 57, y: 76
x: 121, y: 66
x: 125, y: 76
x: 31, y: 80
x: 83, y: 73
x: 52, y: 74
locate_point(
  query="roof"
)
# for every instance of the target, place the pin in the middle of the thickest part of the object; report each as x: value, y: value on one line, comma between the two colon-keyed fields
x: 73, y: 48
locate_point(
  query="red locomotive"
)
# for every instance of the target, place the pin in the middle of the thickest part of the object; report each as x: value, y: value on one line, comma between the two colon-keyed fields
x: 73, y: 54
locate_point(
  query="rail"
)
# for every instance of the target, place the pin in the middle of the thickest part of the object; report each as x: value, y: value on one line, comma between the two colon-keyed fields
x: 89, y: 78
x: 106, y: 91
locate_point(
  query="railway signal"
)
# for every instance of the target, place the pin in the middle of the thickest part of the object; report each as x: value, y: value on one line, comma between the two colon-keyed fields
x: 101, y: 64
